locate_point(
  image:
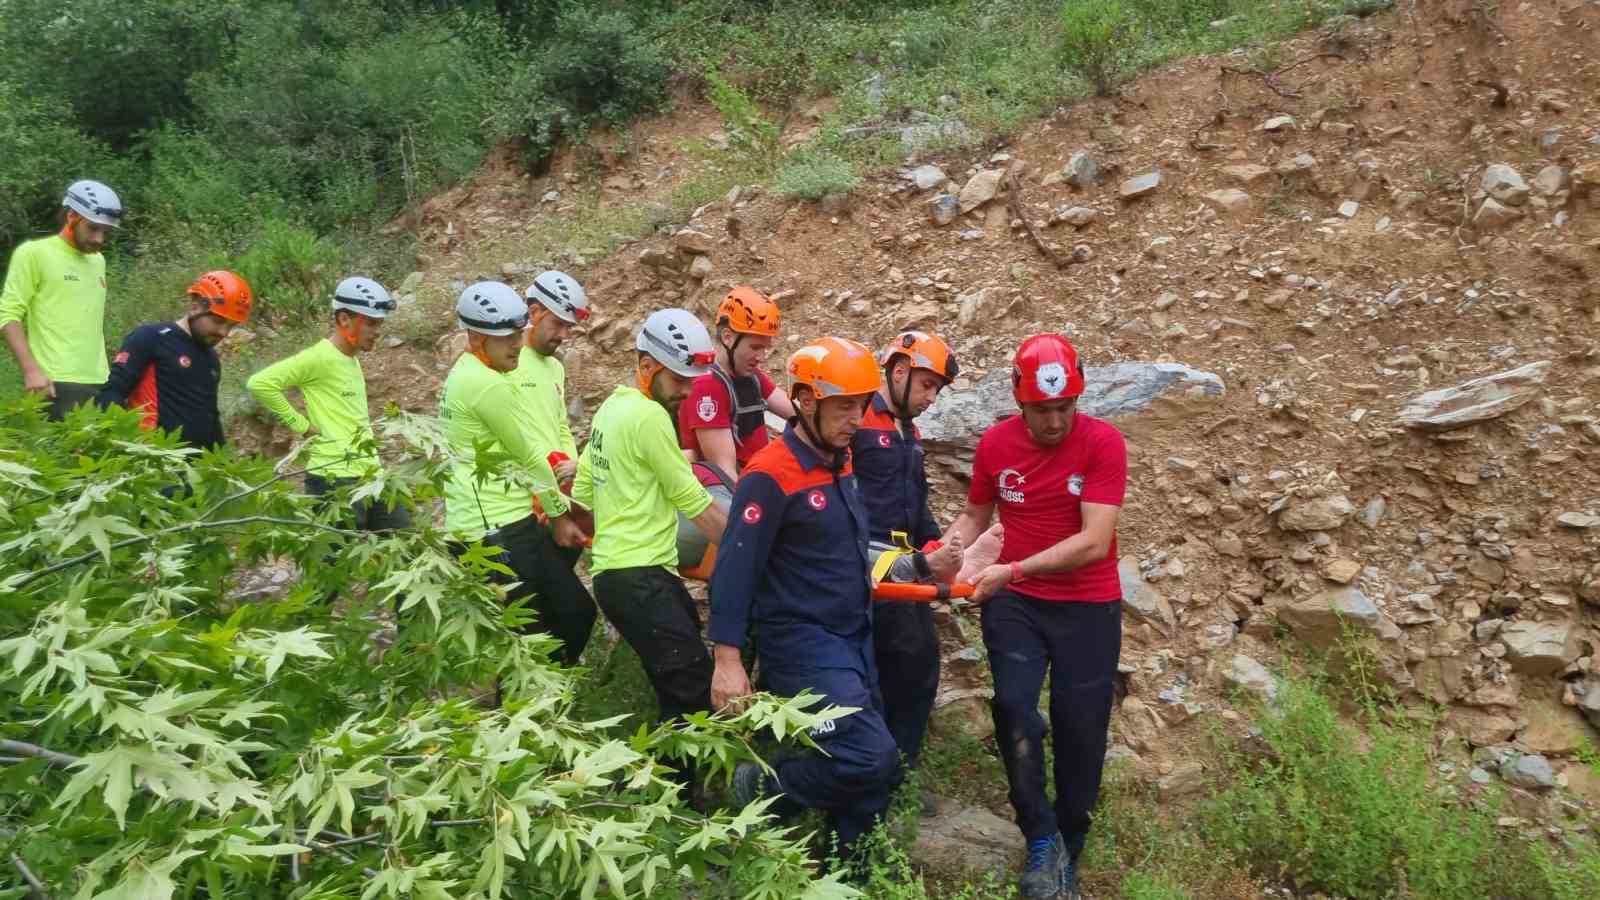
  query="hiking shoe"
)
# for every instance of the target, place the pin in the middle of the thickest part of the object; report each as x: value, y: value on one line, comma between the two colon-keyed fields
x: 1049, y: 867
x: 1069, y: 880
x: 749, y: 784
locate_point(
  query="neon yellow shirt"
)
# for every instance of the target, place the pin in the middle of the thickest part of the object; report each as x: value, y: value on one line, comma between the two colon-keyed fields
x: 482, y: 406
x: 59, y: 296
x: 636, y: 480
x: 335, y: 394
x: 544, y: 380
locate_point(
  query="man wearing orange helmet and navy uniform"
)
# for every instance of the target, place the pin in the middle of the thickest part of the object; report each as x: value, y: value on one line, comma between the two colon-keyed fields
x: 888, y: 458
x: 171, y: 371
x: 724, y: 420
x: 1053, y: 599
x: 793, y: 567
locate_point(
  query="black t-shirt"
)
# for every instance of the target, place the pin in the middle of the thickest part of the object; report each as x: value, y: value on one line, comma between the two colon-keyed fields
x: 173, y: 378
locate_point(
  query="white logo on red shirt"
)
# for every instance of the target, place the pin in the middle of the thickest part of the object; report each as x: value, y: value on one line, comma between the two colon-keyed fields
x: 1051, y: 378
x: 1075, y: 485
x: 1009, y: 483
x: 818, y: 500
x: 752, y: 513
x: 707, y: 410
x: 883, y: 441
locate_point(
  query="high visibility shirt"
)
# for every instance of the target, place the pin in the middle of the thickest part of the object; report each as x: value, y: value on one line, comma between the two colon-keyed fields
x: 793, y: 562
x: 635, y: 479
x: 890, y: 466
x: 335, y: 393
x: 173, y: 378
x: 480, y: 406
x: 543, y: 381
x: 59, y: 296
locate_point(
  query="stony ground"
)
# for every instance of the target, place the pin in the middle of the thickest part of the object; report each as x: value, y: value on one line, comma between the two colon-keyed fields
x: 1368, y: 266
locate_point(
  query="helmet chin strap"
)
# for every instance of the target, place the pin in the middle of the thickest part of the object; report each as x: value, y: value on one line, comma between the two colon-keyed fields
x: 730, y: 348
x: 475, y: 347
x: 903, y: 405
x: 647, y: 378
x: 353, y: 336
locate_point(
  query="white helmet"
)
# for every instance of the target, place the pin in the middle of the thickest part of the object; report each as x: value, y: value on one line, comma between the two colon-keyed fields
x: 677, y: 340
x: 95, y: 202
x: 364, y: 297
x: 492, y: 308
x: 561, y: 294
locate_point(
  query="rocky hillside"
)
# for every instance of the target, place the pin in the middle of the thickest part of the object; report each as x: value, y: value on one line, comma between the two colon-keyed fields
x: 1342, y: 301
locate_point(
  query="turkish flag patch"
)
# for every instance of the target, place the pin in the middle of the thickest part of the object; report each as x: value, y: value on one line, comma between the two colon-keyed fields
x: 752, y: 513
x: 817, y: 500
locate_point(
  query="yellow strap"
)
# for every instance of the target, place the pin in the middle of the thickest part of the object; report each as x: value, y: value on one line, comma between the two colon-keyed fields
x: 902, y: 542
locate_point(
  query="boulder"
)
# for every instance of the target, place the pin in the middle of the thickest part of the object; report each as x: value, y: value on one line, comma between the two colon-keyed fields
x: 1140, y: 186
x: 1247, y: 174
x: 1142, y: 600
x: 1578, y: 520
x: 1231, y: 201
x: 701, y: 268
x: 960, y: 416
x: 963, y: 712
x: 967, y: 839
x: 1076, y: 216
x: 1589, y: 702
x: 926, y: 135
x: 1278, y: 123
x: 1323, y: 514
x: 1185, y: 779
x: 1480, y: 728
x: 1504, y: 184
x: 1081, y: 170
x: 1554, y: 728
x: 943, y: 209
x: 1550, y: 181
x: 690, y: 241
x: 980, y: 189
x: 970, y: 306
x: 1478, y: 400
x: 928, y: 177
x: 1320, y: 621
x: 1245, y: 674
x: 1530, y: 771
x: 1539, y: 648
x: 1494, y: 215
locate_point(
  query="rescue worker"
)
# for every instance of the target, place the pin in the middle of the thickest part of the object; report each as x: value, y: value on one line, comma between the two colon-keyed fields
x: 635, y: 479
x: 171, y: 371
x: 888, y: 458
x: 556, y: 304
x: 793, y: 569
x: 53, y: 305
x: 724, y: 422
x: 328, y: 375
x: 1052, y: 600
x: 482, y: 404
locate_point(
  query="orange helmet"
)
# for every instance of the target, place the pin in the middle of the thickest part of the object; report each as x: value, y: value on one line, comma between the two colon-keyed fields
x: 1046, y: 368
x: 225, y: 293
x: 834, y: 367
x: 748, y: 311
x: 925, y: 351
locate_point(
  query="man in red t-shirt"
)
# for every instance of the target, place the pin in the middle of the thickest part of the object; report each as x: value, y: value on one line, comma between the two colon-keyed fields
x: 1054, y: 601
x: 724, y: 421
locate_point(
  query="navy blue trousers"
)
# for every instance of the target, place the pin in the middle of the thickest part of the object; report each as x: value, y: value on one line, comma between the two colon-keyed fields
x: 1078, y: 645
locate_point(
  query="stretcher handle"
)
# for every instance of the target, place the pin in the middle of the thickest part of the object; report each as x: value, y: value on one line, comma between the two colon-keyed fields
x: 919, y: 593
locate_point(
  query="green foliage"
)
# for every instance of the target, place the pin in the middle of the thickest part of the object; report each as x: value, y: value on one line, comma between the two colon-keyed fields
x: 814, y: 174
x: 1097, y: 41
x: 748, y: 130
x: 291, y: 269
x: 43, y: 153
x: 182, y: 738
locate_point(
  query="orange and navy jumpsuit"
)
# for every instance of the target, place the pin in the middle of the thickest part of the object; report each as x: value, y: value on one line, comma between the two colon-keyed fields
x: 792, y: 570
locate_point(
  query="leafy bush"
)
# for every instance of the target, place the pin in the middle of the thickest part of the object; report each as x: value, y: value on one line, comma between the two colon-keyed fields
x: 291, y: 269
x: 43, y: 153
x: 749, y: 131
x: 1097, y: 41
x: 814, y: 174
x: 171, y: 735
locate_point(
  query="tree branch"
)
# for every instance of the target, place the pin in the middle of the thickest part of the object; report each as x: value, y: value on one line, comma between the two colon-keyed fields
x: 179, y: 529
x: 53, y: 757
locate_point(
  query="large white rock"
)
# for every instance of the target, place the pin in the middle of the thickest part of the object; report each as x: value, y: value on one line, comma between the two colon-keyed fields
x: 1478, y: 400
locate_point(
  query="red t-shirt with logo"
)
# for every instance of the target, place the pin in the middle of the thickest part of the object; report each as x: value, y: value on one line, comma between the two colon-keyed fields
x: 709, y: 406
x: 1040, y: 490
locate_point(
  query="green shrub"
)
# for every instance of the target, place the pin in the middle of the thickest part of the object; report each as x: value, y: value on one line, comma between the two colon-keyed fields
x: 1097, y: 41
x: 42, y: 154
x: 291, y: 269
x: 748, y: 130
x: 814, y: 174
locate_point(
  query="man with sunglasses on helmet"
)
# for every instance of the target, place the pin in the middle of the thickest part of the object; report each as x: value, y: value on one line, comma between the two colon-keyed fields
x: 723, y: 421
x: 482, y: 406
x: 889, y: 464
x: 171, y: 371
x: 557, y: 304
x: 794, y: 570
x: 331, y: 383
x: 635, y: 479
x: 52, y: 308
x: 1052, y: 601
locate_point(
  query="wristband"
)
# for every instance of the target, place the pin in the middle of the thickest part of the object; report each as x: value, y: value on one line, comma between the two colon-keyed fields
x: 1016, y: 571
x: 932, y: 546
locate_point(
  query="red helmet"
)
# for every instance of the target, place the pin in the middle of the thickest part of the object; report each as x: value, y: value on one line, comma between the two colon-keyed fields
x: 1046, y: 368
x: 227, y: 294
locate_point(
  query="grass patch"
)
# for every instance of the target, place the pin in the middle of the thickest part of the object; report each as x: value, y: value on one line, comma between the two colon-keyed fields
x: 815, y: 174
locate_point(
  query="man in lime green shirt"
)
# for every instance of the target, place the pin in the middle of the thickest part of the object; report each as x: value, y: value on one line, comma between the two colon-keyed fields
x: 482, y: 406
x: 637, y: 481
x: 334, y: 389
x: 52, y: 308
x: 556, y: 304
